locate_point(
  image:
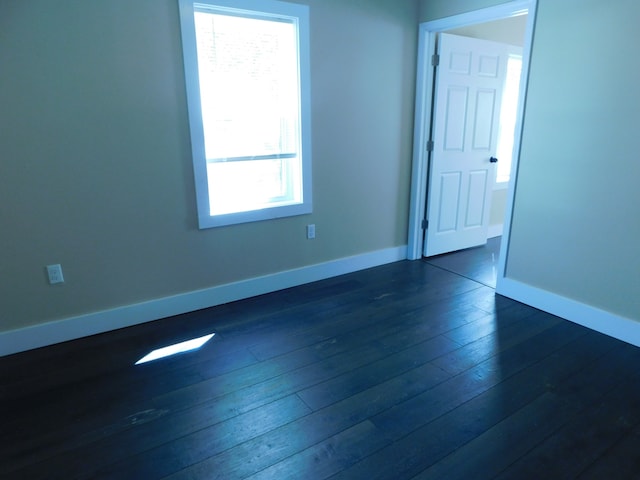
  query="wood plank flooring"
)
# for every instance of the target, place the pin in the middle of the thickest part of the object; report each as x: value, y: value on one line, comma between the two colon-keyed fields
x: 478, y: 263
x: 405, y: 371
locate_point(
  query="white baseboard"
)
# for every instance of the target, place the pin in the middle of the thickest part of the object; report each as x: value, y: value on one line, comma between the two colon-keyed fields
x: 495, y: 230
x: 616, y: 326
x: 36, y: 336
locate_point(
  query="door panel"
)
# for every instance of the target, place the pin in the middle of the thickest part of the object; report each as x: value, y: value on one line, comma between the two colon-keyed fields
x: 483, y: 121
x: 449, y: 202
x: 460, y: 63
x: 456, y: 109
x: 468, y: 91
x: 489, y: 66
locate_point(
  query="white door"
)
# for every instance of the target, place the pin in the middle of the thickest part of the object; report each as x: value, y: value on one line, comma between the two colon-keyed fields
x: 468, y: 91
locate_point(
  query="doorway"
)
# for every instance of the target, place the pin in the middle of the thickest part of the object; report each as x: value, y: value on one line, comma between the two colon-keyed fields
x: 424, y: 105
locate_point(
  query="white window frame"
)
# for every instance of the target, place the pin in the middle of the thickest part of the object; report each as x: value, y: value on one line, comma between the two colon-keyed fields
x: 267, y: 9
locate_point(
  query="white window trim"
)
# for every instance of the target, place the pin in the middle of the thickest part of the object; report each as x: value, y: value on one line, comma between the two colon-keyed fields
x: 273, y: 8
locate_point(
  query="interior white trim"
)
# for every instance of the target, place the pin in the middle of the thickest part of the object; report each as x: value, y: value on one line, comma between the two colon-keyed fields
x: 36, y: 336
x: 421, y: 134
x: 616, y: 326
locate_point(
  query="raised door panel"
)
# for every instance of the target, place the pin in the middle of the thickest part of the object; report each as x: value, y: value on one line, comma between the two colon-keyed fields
x: 450, y: 188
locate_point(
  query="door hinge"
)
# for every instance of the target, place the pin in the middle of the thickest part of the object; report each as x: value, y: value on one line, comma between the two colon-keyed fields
x: 425, y: 224
x: 435, y: 60
x: 430, y: 146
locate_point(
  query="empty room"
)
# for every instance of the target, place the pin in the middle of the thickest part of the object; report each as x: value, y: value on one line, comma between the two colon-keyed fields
x: 238, y: 239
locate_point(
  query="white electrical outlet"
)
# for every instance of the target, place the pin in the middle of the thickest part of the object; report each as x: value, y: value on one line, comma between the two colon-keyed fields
x: 311, y: 231
x: 55, y: 274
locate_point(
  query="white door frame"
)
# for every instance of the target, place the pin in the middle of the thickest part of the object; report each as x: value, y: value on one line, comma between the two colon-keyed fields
x: 424, y: 101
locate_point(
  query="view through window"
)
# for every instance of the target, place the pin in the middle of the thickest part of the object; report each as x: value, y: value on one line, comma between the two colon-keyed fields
x: 251, y: 114
x: 508, y: 114
x: 249, y: 95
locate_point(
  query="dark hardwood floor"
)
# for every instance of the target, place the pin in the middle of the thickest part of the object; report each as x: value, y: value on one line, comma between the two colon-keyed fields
x: 405, y: 371
x: 478, y: 263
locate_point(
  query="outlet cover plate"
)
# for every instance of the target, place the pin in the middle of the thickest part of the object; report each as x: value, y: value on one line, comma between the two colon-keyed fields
x: 54, y: 272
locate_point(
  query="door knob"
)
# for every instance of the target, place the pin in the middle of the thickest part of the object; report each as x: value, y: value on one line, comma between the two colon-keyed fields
x: 493, y: 160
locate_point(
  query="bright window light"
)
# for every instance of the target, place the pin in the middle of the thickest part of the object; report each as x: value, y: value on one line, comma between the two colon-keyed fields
x: 247, y: 77
x: 181, y: 347
x: 508, y: 116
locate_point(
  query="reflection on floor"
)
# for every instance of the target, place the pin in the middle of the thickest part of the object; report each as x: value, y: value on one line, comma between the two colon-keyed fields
x: 479, y: 263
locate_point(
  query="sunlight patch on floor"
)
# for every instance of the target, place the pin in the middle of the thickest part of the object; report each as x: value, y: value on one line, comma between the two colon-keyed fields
x: 181, y: 347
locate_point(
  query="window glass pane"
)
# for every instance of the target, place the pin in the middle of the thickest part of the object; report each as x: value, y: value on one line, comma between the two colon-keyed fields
x: 247, y: 185
x: 248, y: 85
x: 247, y: 80
x: 508, y: 113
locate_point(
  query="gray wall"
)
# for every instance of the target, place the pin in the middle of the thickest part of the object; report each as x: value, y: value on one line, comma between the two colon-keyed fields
x: 95, y: 166
x: 575, y: 228
x: 437, y: 9
x: 95, y: 169
x: 498, y: 206
x: 507, y: 30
